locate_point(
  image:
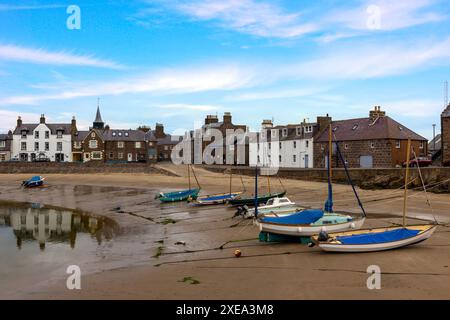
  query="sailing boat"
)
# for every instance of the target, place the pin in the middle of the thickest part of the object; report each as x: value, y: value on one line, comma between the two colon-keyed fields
x: 250, y: 201
x: 183, y: 195
x: 379, y: 239
x: 312, y: 221
x: 219, y: 198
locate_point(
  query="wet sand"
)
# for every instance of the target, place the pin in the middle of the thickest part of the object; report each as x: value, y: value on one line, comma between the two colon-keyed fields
x: 150, y: 265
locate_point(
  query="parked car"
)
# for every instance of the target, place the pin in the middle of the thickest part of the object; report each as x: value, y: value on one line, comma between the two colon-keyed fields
x: 421, y: 162
x: 14, y: 159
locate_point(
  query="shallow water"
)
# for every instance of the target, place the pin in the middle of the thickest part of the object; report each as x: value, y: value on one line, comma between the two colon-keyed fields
x: 37, y: 244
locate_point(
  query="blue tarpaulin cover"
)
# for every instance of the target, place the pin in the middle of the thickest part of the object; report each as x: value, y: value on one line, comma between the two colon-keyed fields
x: 303, y: 217
x: 35, y: 179
x: 378, y: 237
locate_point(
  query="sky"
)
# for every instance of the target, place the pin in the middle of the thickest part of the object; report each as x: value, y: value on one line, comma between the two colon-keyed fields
x: 175, y: 61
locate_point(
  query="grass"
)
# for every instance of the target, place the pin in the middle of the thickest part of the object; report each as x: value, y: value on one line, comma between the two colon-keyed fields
x: 159, y: 251
x: 190, y: 280
x: 168, y: 221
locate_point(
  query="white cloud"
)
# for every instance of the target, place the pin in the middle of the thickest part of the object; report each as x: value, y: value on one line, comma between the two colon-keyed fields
x: 275, y: 94
x: 193, y: 107
x: 169, y: 81
x: 8, y: 119
x: 8, y: 7
x: 418, y: 108
x: 246, y: 16
x: 41, y: 56
x: 393, y: 14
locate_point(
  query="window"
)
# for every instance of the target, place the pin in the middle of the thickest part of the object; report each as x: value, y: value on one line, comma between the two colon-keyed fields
x: 285, y: 132
x: 114, y: 134
x: 47, y: 134
x: 259, y: 159
x: 295, y: 144
x: 120, y: 155
x: 294, y: 158
x: 138, y: 145
x: 279, y: 158
x: 47, y: 146
x: 111, y: 155
x: 2, y: 144
x: 2, y: 157
x: 24, y: 134
x: 23, y: 146
x: 270, y: 145
x: 96, y: 155
x: 36, y: 146
x: 346, y: 146
x: 274, y: 133
x: 280, y: 145
x: 36, y: 134
x: 307, y: 143
x: 150, y: 144
x: 421, y: 145
x: 120, y: 144
x: 59, y: 134
x: 299, y: 131
x: 372, y: 144
x: 59, y: 146
x: 322, y: 147
x: 166, y: 148
x: 93, y: 144
x: 126, y: 134
x: 397, y: 144
x: 120, y: 134
x: 355, y: 126
x: 308, y: 129
x: 93, y: 135
x: 77, y: 144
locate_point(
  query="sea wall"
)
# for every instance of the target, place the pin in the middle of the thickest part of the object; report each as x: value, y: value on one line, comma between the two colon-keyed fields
x: 75, y: 167
x: 438, y: 178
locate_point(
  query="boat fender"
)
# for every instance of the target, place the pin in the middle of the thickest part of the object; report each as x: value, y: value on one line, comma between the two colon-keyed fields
x: 323, y: 236
x: 260, y: 227
x: 299, y: 229
x: 352, y: 225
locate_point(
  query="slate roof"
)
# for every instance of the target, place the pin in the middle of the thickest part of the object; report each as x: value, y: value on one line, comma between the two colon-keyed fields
x: 167, y: 140
x: 81, y: 135
x: 438, y: 143
x: 446, y: 112
x: 65, y: 127
x: 367, y: 129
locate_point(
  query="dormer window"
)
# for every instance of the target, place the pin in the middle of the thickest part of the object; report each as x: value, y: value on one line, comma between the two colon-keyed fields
x: 36, y: 134
x: 308, y: 129
x: 299, y: 131
x: 120, y: 134
x: 126, y: 134
x: 335, y: 129
x: 114, y: 134
x: 24, y: 134
x: 400, y: 128
x: 355, y: 127
x: 59, y: 134
x: 274, y: 133
x: 285, y: 132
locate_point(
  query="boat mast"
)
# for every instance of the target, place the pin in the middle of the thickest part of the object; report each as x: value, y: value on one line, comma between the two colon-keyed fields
x: 189, y: 176
x: 408, y: 151
x: 268, y: 182
x: 231, y: 175
x: 329, y: 202
x: 256, y: 191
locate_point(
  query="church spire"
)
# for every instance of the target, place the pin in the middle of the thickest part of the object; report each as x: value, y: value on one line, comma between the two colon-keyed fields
x: 98, y: 122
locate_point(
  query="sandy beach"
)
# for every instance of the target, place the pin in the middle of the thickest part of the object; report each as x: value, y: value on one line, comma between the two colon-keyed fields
x: 148, y: 262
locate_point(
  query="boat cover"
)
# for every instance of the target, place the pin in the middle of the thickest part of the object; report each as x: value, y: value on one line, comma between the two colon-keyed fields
x: 378, y: 237
x: 302, y: 217
x: 221, y: 197
x: 182, y: 193
x: 35, y: 179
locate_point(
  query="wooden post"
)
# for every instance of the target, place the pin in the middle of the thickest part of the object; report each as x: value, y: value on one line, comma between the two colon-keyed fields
x: 189, y: 176
x: 405, y: 197
x: 330, y: 150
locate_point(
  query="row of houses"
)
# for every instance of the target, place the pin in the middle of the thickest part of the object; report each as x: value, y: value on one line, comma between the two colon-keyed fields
x: 63, y: 142
x: 373, y: 141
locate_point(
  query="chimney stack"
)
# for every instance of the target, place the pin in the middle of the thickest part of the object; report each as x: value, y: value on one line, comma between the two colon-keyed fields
x: 211, y: 119
x: 376, y: 113
x: 19, y: 121
x: 42, y: 120
x: 267, y: 124
x: 159, y: 131
x: 227, y: 117
x: 73, y: 127
x: 323, y: 123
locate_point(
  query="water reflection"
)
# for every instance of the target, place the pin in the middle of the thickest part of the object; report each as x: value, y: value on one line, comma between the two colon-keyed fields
x: 54, y: 226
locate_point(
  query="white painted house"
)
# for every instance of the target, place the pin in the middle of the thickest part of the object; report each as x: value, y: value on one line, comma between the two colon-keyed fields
x: 41, y: 141
x: 289, y: 146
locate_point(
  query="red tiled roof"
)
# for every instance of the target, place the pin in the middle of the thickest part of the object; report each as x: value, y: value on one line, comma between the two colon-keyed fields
x: 367, y: 129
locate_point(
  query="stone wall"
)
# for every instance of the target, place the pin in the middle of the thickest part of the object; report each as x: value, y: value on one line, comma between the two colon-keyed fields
x: 445, y: 138
x: 389, y: 178
x: 88, y: 167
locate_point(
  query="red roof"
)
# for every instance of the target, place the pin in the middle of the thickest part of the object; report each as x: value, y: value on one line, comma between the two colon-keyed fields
x: 367, y: 129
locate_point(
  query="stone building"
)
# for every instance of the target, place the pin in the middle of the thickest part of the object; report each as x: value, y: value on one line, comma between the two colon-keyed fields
x: 377, y: 141
x: 49, y: 141
x: 101, y: 143
x: 5, y: 146
x: 159, y: 143
x: 445, y: 136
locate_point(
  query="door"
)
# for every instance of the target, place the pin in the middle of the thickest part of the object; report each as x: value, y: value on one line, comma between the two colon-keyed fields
x: 366, y: 161
x: 130, y: 157
x: 306, y: 160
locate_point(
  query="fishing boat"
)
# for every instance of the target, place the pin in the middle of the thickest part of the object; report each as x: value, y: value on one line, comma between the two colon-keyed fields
x: 220, y: 198
x: 312, y: 221
x: 183, y: 195
x: 35, y: 181
x: 274, y: 207
x: 379, y: 239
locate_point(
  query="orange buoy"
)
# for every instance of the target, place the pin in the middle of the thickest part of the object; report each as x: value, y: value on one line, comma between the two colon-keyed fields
x: 237, y: 253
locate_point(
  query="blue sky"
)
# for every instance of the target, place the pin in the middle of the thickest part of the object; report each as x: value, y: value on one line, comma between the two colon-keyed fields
x: 174, y: 61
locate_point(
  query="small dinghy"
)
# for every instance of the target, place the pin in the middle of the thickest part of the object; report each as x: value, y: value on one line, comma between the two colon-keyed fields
x: 274, y: 207
x: 183, y: 195
x: 35, y: 181
x: 309, y: 222
x: 382, y: 238
x: 249, y: 201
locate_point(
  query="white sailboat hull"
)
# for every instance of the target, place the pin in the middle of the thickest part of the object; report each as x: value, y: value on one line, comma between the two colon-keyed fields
x: 309, y: 230
x: 335, y: 247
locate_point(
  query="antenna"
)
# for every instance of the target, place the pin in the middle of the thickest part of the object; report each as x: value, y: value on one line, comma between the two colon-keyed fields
x: 98, y: 102
x: 445, y: 94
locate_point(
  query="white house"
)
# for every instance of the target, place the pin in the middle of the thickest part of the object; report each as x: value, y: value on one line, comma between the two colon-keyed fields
x: 288, y: 146
x: 38, y: 141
